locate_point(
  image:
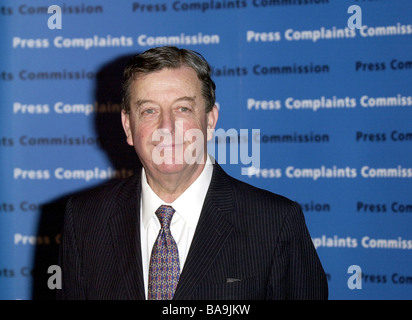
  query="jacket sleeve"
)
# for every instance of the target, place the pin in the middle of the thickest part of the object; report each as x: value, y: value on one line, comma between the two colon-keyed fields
x: 70, y: 261
x: 297, y: 273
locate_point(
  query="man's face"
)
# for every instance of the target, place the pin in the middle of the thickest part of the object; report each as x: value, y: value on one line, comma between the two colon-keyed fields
x: 167, y: 123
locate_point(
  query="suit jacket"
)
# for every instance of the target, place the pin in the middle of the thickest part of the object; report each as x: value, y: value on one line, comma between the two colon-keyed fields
x: 249, y: 244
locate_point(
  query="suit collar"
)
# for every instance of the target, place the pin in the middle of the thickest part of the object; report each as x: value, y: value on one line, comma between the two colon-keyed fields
x: 129, y: 189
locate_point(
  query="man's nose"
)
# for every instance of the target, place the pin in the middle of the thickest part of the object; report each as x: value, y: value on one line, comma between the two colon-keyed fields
x: 167, y: 122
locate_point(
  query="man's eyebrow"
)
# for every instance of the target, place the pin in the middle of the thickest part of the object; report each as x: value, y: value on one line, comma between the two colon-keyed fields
x: 186, y: 98
x: 140, y: 102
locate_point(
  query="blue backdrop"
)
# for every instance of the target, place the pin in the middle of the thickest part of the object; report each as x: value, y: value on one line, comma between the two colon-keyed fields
x: 333, y: 106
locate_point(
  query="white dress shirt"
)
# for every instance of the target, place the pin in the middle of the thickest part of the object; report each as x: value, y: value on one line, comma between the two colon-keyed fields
x: 188, y: 208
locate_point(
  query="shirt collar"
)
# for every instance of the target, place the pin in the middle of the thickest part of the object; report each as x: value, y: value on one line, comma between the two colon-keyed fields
x: 189, y: 204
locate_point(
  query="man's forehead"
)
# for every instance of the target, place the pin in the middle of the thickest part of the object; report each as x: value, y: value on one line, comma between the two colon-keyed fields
x: 188, y: 71
x: 180, y: 80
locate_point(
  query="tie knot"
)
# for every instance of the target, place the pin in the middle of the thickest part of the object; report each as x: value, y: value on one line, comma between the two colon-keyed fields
x: 165, y: 215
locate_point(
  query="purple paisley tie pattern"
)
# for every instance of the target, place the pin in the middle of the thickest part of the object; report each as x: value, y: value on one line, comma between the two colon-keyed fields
x: 164, y: 266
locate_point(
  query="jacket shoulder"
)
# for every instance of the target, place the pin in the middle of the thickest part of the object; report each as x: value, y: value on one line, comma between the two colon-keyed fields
x: 99, y: 202
x: 247, y: 193
x: 107, y: 192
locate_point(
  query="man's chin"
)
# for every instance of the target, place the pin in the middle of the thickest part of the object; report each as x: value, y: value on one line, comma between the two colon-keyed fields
x: 170, y: 168
x: 176, y: 166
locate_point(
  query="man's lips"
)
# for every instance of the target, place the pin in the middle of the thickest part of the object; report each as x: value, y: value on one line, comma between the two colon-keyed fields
x: 161, y: 145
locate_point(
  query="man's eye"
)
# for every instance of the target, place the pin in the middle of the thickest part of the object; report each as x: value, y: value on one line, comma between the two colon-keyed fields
x: 184, y: 109
x: 148, y: 111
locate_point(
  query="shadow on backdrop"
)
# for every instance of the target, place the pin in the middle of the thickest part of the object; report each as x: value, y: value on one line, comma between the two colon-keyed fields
x: 122, y: 157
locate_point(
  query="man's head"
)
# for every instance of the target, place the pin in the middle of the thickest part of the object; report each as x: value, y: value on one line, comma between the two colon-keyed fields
x: 169, y: 112
x: 159, y: 58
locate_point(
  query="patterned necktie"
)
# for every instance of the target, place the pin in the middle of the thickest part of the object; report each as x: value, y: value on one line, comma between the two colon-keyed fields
x: 164, y: 267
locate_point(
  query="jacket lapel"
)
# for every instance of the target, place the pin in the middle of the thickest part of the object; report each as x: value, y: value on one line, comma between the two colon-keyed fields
x: 125, y: 230
x: 211, y: 233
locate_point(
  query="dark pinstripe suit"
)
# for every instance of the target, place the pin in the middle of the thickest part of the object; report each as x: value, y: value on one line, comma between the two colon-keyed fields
x: 249, y: 244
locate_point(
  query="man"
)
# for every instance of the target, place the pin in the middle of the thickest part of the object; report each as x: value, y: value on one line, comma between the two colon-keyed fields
x: 182, y: 228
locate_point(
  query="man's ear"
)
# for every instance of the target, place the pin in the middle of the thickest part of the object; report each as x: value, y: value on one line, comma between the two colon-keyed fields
x: 126, y: 127
x: 212, y: 117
